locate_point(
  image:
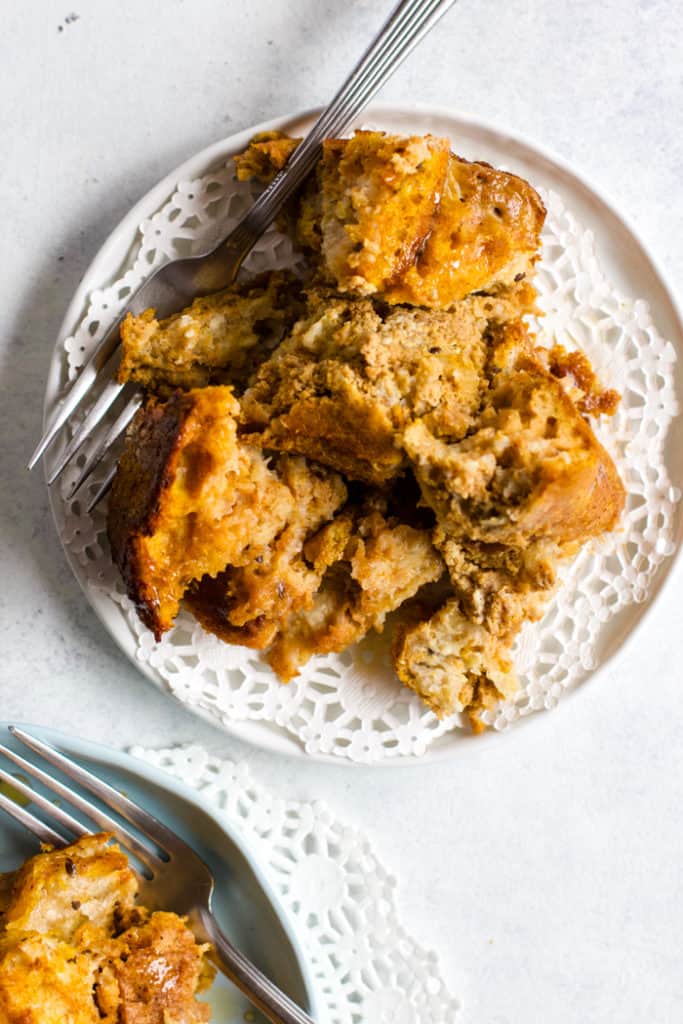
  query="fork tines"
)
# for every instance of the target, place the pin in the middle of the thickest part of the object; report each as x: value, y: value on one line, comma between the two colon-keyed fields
x: 146, y: 852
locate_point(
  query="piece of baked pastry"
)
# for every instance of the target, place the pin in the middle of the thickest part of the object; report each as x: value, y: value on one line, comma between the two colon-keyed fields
x: 400, y: 218
x: 220, y: 339
x: 348, y: 379
x: 530, y: 468
x: 75, y: 946
x: 188, y: 499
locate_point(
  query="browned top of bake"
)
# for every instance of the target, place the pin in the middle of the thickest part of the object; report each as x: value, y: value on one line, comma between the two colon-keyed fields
x: 219, y: 339
x: 400, y: 218
x: 484, y: 234
x: 344, y: 384
x: 188, y: 499
x: 74, y: 945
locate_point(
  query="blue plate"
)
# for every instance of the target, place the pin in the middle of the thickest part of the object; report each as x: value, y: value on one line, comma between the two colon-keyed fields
x: 245, y: 904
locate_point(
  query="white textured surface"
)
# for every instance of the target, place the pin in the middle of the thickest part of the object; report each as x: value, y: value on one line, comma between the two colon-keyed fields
x: 545, y: 869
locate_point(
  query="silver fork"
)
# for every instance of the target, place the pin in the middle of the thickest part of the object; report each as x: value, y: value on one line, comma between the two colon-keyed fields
x: 178, y: 880
x: 177, y: 283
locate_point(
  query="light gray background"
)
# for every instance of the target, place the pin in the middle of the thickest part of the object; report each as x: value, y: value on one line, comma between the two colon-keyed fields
x: 545, y: 869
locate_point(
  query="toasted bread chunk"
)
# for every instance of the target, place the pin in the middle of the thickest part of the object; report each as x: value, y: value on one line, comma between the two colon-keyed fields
x: 342, y: 387
x: 484, y: 236
x: 219, y: 339
x: 452, y: 663
x: 402, y: 219
x: 322, y: 595
x: 499, y: 586
x: 579, y: 380
x: 188, y: 499
x: 152, y: 978
x: 91, y: 873
x: 75, y: 948
x: 382, y: 564
x: 266, y: 154
x: 248, y: 605
x: 378, y: 197
x: 531, y: 469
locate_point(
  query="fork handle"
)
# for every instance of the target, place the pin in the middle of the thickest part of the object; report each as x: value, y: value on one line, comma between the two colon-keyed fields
x: 259, y: 990
x: 410, y: 21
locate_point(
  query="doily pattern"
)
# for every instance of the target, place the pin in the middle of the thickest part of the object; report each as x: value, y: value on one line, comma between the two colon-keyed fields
x: 351, y: 705
x: 367, y: 968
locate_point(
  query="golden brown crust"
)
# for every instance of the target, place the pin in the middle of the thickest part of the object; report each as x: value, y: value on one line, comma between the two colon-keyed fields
x: 531, y: 469
x: 400, y: 218
x: 485, y: 235
x: 378, y: 197
x: 220, y: 339
x: 75, y: 947
x: 341, y: 388
x: 580, y: 381
x: 266, y: 154
x: 188, y: 499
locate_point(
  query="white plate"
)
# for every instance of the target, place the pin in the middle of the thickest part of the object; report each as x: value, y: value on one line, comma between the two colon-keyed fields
x: 624, y: 261
x: 247, y: 908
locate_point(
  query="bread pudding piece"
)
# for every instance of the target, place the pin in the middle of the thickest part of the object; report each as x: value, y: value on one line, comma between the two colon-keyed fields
x: 188, y: 499
x: 247, y: 605
x: 484, y: 236
x: 318, y: 595
x: 221, y: 338
x: 532, y: 467
x: 459, y: 659
x: 579, y: 380
x: 454, y: 664
x: 90, y: 872
x: 500, y: 586
x: 75, y: 947
x: 345, y: 383
x: 399, y: 218
x: 266, y: 154
x: 378, y: 197
x: 371, y: 206
x: 369, y: 564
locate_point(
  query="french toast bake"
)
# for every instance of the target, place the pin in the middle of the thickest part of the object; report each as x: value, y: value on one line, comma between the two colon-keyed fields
x: 75, y: 946
x: 406, y: 220
x: 385, y: 434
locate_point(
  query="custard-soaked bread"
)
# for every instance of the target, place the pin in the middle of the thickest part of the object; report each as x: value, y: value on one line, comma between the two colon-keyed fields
x: 454, y: 664
x: 90, y: 872
x: 399, y: 218
x: 318, y: 595
x: 219, y: 339
x: 368, y: 568
x: 500, y: 586
x: 459, y: 659
x: 247, y: 605
x: 484, y: 236
x: 75, y: 947
x: 378, y: 197
x: 345, y: 383
x: 188, y: 499
x: 532, y: 467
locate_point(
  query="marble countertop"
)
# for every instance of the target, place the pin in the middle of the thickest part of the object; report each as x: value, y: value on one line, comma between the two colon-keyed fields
x: 544, y: 869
